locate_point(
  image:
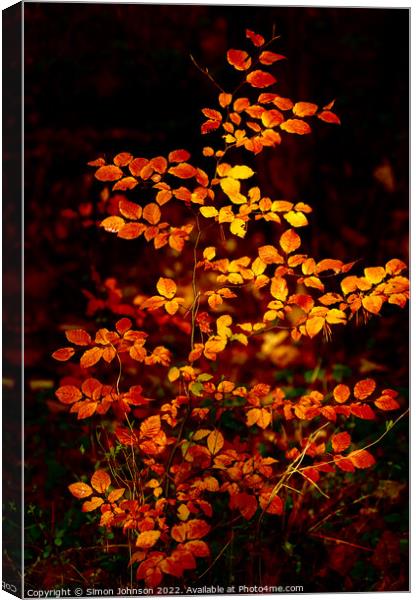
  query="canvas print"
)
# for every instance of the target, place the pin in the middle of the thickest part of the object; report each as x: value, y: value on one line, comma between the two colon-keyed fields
x: 216, y: 300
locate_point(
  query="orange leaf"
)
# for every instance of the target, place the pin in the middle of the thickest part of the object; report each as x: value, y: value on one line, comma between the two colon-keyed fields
x: 260, y: 79
x: 166, y: 287
x: 112, y: 224
x: 122, y: 159
x: 109, y: 173
x: 151, y: 213
x: 314, y: 325
x: 278, y: 288
x: 239, y: 59
x: 272, y: 118
x: 268, y: 58
x: 215, y: 441
x: 304, y: 109
x: 269, y: 255
x: 150, y: 427
x: 372, y: 304
x: 198, y: 548
x: 99, y: 162
x: 130, y: 231
x: 127, y: 183
x: 68, y: 394
x: 183, y: 171
x: 364, y: 388
x: 80, y: 490
x: 178, y: 156
x: 256, y: 38
x: 296, y: 126
x: 395, y: 266
x: 86, y: 409
x: 116, y: 494
x: 130, y: 210
x: 341, y: 393
x: 78, y: 337
x: 361, y: 459
x: 159, y: 164
x: 63, y: 354
x: 100, y: 481
x: 136, y: 166
x: 196, y: 529
x: 91, y: 357
x: 374, y: 274
x: 386, y: 403
x: 224, y: 99
x: 341, y: 441
x: 329, y: 117
x: 147, y: 539
x: 362, y: 411
x: 92, y: 504
x: 289, y: 241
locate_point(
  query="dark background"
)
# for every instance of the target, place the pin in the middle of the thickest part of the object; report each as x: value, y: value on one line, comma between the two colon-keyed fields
x: 100, y: 79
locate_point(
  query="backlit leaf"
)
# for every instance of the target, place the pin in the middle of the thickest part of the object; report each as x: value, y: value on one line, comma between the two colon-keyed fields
x: 147, y: 539
x: 289, y: 241
x: 178, y: 156
x: 240, y: 172
x: 91, y: 357
x: 100, y: 481
x: 151, y: 213
x: 361, y: 459
x: 130, y: 210
x: 341, y: 393
x: 260, y: 79
x: 80, y: 490
x: 256, y: 38
x: 364, y: 388
x: 386, y: 403
x: 68, y: 394
x: 78, y: 337
x: 109, y: 173
x: 340, y: 441
x: 215, y: 441
x: 296, y: 126
x: 329, y: 117
x: 92, y: 504
x: 239, y: 59
x: 268, y: 58
x: 63, y: 354
x: 112, y: 224
x: 166, y: 287
x: 183, y: 171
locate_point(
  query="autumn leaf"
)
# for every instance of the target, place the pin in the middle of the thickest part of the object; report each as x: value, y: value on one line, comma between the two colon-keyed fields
x: 364, y: 388
x: 68, y: 394
x: 259, y: 416
x: 340, y: 441
x: 109, y: 173
x: 150, y: 426
x: 239, y: 59
x: 296, y: 126
x: 63, y: 354
x: 78, y: 337
x: 100, y: 481
x: 215, y: 441
x: 329, y: 117
x: 147, y: 539
x: 372, y: 304
x: 91, y: 357
x: 245, y: 503
x: 116, y: 494
x: 260, y: 79
x: 151, y: 213
x: 130, y: 210
x: 92, y: 504
x: 269, y: 255
x: 268, y: 58
x: 127, y: 183
x: 183, y: 171
x: 386, y: 403
x: 341, y: 393
x: 166, y: 287
x: 178, y: 156
x: 80, y: 490
x: 240, y: 172
x: 361, y: 459
x: 289, y: 241
x: 304, y: 109
x: 314, y: 325
x: 112, y: 224
x: 256, y: 38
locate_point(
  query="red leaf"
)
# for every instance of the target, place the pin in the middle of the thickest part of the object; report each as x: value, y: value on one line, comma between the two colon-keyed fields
x: 329, y: 117
x: 63, y: 354
x: 341, y: 441
x: 361, y: 459
x: 239, y: 59
x: 78, y: 337
x: 260, y: 79
x: 256, y: 38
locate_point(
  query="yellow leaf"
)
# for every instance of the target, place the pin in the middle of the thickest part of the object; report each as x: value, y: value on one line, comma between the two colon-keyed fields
x: 296, y: 219
x: 173, y: 374
x: 374, y: 274
x: 172, y: 307
x: 209, y: 253
x: 166, y: 287
x: 231, y: 187
x: 147, y: 539
x: 208, y: 211
x: 237, y: 227
x: 223, y: 324
x: 215, y: 441
x: 240, y: 172
x: 183, y: 512
x: 278, y: 288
